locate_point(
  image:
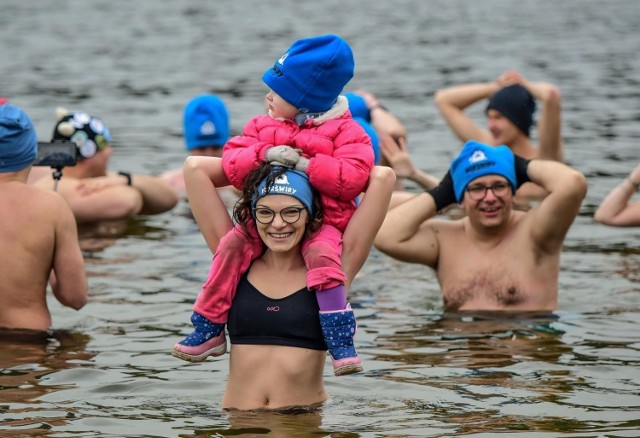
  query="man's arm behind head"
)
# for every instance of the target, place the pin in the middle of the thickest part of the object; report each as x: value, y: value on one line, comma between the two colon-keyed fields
x: 550, y: 221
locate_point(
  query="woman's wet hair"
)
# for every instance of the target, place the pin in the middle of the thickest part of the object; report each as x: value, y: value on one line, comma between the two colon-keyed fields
x: 242, y: 209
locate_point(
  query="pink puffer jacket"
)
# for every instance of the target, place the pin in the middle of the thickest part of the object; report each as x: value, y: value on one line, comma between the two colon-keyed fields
x: 340, y: 153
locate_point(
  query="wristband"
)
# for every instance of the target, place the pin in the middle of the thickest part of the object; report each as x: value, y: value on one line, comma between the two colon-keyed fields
x: 126, y: 175
x: 443, y: 194
x: 521, y: 166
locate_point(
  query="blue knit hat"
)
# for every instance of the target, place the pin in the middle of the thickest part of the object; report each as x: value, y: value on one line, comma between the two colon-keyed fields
x: 18, y: 141
x: 371, y: 132
x: 515, y: 103
x: 478, y: 159
x: 291, y: 182
x: 358, y: 106
x: 312, y: 73
x: 205, y: 122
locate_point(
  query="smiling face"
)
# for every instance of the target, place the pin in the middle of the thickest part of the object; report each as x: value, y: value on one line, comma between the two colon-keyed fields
x: 488, y: 208
x: 279, y: 235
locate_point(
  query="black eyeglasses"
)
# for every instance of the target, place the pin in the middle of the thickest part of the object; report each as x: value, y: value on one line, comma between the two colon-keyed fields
x: 289, y: 215
x: 479, y: 192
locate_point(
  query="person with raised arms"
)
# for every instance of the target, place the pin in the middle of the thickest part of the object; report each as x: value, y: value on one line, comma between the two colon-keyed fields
x: 494, y: 258
x: 278, y: 342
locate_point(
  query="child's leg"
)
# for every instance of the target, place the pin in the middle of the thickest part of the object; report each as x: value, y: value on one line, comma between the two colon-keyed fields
x: 322, y: 256
x: 231, y: 260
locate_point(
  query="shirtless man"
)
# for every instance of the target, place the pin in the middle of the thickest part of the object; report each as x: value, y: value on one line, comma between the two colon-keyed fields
x: 495, y: 258
x: 94, y: 193
x: 37, y: 233
x: 510, y: 109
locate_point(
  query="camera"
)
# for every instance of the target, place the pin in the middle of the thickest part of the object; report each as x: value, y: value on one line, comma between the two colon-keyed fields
x: 56, y: 154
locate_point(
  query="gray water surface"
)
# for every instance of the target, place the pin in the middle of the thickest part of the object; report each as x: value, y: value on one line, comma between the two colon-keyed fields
x: 107, y: 370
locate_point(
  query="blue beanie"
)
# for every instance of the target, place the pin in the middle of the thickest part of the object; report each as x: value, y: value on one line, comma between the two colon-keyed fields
x: 292, y: 183
x: 371, y: 132
x: 358, y: 107
x: 89, y: 133
x: 478, y: 159
x: 515, y: 103
x: 312, y: 73
x: 18, y: 141
x: 205, y: 122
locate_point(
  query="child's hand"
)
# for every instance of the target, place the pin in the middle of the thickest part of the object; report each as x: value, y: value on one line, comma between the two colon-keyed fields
x: 302, y: 164
x: 283, y: 155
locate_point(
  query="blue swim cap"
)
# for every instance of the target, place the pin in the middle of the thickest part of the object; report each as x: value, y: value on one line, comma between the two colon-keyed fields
x: 358, y: 106
x: 292, y: 183
x: 205, y: 122
x: 478, y: 159
x: 18, y: 141
x: 371, y: 132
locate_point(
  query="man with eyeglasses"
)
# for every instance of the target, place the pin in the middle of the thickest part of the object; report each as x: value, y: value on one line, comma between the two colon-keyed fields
x: 494, y: 258
x: 510, y: 107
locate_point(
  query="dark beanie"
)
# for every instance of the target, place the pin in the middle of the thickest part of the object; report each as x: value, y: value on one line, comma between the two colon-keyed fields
x: 515, y: 103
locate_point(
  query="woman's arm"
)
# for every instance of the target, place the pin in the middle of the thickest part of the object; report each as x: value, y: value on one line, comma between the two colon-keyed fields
x: 615, y: 209
x: 201, y: 176
x: 366, y: 221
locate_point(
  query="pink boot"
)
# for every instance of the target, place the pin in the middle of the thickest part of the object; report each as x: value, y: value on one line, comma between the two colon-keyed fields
x: 208, y: 339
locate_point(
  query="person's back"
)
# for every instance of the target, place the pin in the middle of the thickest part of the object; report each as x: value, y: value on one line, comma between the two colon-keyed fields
x: 38, y: 236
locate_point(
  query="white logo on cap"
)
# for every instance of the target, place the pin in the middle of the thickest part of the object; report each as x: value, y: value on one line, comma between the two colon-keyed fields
x: 207, y: 128
x: 477, y: 156
x: 280, y: 187
x: 282, y: 58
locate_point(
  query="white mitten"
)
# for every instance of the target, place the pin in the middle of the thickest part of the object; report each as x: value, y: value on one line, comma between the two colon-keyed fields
x: 283, y: 155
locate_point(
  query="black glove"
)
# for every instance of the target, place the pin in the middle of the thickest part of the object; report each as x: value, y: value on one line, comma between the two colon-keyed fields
x: 521, y: 166
x: 443, y: 193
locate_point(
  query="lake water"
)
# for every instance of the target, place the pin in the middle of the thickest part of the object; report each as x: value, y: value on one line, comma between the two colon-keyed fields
x: 107, y: 370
